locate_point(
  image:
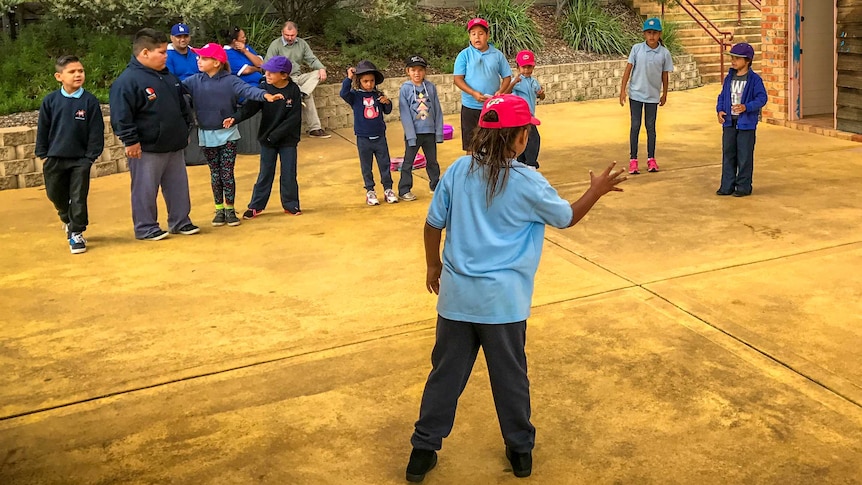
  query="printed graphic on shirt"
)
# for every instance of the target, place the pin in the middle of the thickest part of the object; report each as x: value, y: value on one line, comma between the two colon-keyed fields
x: 737, y: 85
x: 151, y: 94
x: 81, y: 114
x: 370, y: 110
x: 421, y: 108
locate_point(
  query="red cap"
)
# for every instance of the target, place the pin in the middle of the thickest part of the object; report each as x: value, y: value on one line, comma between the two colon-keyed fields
x: 212, y: 50
x: 512, y: 112
x: 477, y: 21
x: 526, y: 58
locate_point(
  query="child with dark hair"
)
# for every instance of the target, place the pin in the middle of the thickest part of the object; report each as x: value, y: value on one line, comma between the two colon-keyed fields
x: 215, y: 94
x: 152, y: 120
x: 70, y: 136
x: 489, y: 200
x: 742, y: 95
x: 359, y: 90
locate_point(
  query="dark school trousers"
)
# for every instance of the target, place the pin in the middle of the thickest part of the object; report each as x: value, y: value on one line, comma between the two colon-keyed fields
x: 368, y: 150
x: 452, y: 361
x: 288, y: 187
x: 428, y: 143
x: 469, y: 123
x: 67, y: 183
x: 149, y: 173
x: 737, y: 159
x: 649, y: 111
x: 531, y: 152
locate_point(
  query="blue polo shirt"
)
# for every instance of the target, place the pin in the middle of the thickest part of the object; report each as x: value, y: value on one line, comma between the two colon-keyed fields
x: 491, y: 252
x: 240, y: 63
x: 482, y: 71
x: 182, y: 65
x: 648, y: 65
x: 526, y: 88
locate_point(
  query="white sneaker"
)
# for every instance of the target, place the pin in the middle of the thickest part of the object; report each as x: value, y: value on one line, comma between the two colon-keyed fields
x: 371, y: 198
x: 390, y: 196
x: 408, y: 196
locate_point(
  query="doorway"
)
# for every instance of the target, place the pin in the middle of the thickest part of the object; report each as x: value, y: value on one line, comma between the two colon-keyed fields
x: 817, y: 61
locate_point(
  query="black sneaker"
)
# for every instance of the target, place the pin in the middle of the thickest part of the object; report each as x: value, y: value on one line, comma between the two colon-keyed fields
x: 155, y: 236
x: 219, y: 219
x: 231, y: 218
x: 251, y: 214
x: 77, y: 244
x: 522, y: 463
x: 421, y: 462
x: 188, y: 229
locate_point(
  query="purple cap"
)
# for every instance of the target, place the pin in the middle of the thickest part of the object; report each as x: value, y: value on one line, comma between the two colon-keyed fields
x: 277, y: 64
x: 743, y: 49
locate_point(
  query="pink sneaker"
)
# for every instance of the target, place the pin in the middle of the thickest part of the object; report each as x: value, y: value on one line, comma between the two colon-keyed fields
x: 633, y: 166
x: 651, y: 165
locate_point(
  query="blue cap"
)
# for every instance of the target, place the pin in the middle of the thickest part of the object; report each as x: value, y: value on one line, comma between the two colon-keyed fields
x: 652, y: 24
x: 181, y: 29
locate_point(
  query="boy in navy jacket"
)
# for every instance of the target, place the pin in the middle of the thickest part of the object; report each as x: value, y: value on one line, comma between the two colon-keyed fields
x: 152, y: 120
x: 369, y: 105
x: 70, y: 137
x: 742, y: 96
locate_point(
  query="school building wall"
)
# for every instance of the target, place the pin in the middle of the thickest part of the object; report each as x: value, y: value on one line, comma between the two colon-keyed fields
x: 19, y: 167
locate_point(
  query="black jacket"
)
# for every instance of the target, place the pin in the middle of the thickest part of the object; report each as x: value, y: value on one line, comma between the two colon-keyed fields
x: 280, y: 124
x: 147, y: 107
x: 70, y: 127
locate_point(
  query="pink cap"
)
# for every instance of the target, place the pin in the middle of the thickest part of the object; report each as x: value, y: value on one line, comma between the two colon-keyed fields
x: 512, y: 112
x: 526, y: 58
x: 477, y: 21
x: 212, y: 50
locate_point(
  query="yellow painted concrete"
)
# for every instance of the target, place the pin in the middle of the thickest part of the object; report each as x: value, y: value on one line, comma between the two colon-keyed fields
x: 677, y: 337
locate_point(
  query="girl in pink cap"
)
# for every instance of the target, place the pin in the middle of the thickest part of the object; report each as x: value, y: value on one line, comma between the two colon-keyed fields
x: 215, y: 94
x: 494, y: 210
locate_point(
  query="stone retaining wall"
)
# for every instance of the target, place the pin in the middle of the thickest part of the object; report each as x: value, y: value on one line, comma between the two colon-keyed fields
x: 19, y: 167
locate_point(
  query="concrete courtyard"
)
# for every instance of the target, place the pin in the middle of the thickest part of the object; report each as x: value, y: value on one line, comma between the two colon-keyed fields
x: 677, y: 337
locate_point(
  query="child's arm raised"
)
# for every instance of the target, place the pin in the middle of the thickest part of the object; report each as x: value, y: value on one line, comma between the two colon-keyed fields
x: 432, y: 258
x: 346, y: 93
x: 599, y: 185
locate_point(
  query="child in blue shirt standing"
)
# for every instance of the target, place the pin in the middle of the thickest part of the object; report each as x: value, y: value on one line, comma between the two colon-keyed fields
x: 484, y: 201
x: 648, y: 68
x: 481, y: 71
x: 422, y: 119
x: 528, y: 88
x: 369, y: 105
x: 742, y: 95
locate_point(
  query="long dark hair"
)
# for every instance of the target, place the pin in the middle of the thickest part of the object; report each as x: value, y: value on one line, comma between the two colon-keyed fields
x: 493, y: 151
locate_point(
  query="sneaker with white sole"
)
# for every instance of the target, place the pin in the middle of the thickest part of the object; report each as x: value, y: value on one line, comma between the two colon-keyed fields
x: 231, y: 218
x: 651, y: 164
x: 318, y: 134
x: 188, y: 230
x: 408, y: 196
x: 77, y: 244
x: 390, y: 196
x: 371, y: 198
x: 155, y: 236
x: 219, y: 219
x: 633, y: 166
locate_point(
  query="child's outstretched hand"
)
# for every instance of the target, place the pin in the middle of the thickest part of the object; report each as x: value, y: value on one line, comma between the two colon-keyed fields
x: 607, y: 180
x: 228, y: 122
x: 721, y: 115
x: 273, y: 97
x: 350, y: 72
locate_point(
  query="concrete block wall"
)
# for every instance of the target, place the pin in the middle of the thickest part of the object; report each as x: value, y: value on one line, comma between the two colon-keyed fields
x: 19, y: 167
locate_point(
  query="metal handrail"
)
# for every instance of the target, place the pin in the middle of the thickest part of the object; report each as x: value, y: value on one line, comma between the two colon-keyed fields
x: 722, y: 37
x: 754, y: 3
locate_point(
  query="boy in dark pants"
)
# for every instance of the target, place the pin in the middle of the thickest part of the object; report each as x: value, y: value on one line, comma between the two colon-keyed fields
x: 70, y: 135
x: 152, y: 120
x: 280, y: 129
x: 742, y: 95
x: 422, y: 119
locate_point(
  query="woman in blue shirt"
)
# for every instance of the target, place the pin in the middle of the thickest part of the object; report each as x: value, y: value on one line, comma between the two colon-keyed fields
x: 243, y: 59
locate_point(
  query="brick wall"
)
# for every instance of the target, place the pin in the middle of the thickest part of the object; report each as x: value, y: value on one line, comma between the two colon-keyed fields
x: 19, y: 167
x: 775, y: 59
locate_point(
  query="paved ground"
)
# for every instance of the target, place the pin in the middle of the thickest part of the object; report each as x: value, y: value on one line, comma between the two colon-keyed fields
x: 677, y: 337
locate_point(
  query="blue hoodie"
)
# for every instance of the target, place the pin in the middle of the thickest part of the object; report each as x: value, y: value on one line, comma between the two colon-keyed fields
x: 215, y: 98
x: 147, y: 107
x: 409, y: 107
x: 753, y: 97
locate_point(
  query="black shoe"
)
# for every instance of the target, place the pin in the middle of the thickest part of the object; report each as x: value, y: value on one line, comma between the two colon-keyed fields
x: 219, y: 219
x: 231, y: 218
x: 188, y: 230
x: 522, y: 463
x: 722, y: 192
x: 740, y: 193
x: 421, y: 462
x: 155, y: 236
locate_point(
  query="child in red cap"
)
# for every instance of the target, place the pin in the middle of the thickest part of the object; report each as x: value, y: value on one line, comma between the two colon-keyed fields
x: 524, y: 85
x: 489, y: 200
x: 481, y: 71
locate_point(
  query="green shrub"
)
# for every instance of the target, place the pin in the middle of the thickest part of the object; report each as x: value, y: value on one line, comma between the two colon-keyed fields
x: 670, y: 38
x: 27, y: 63
x: 512, y: 30
x: 586, y: 26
